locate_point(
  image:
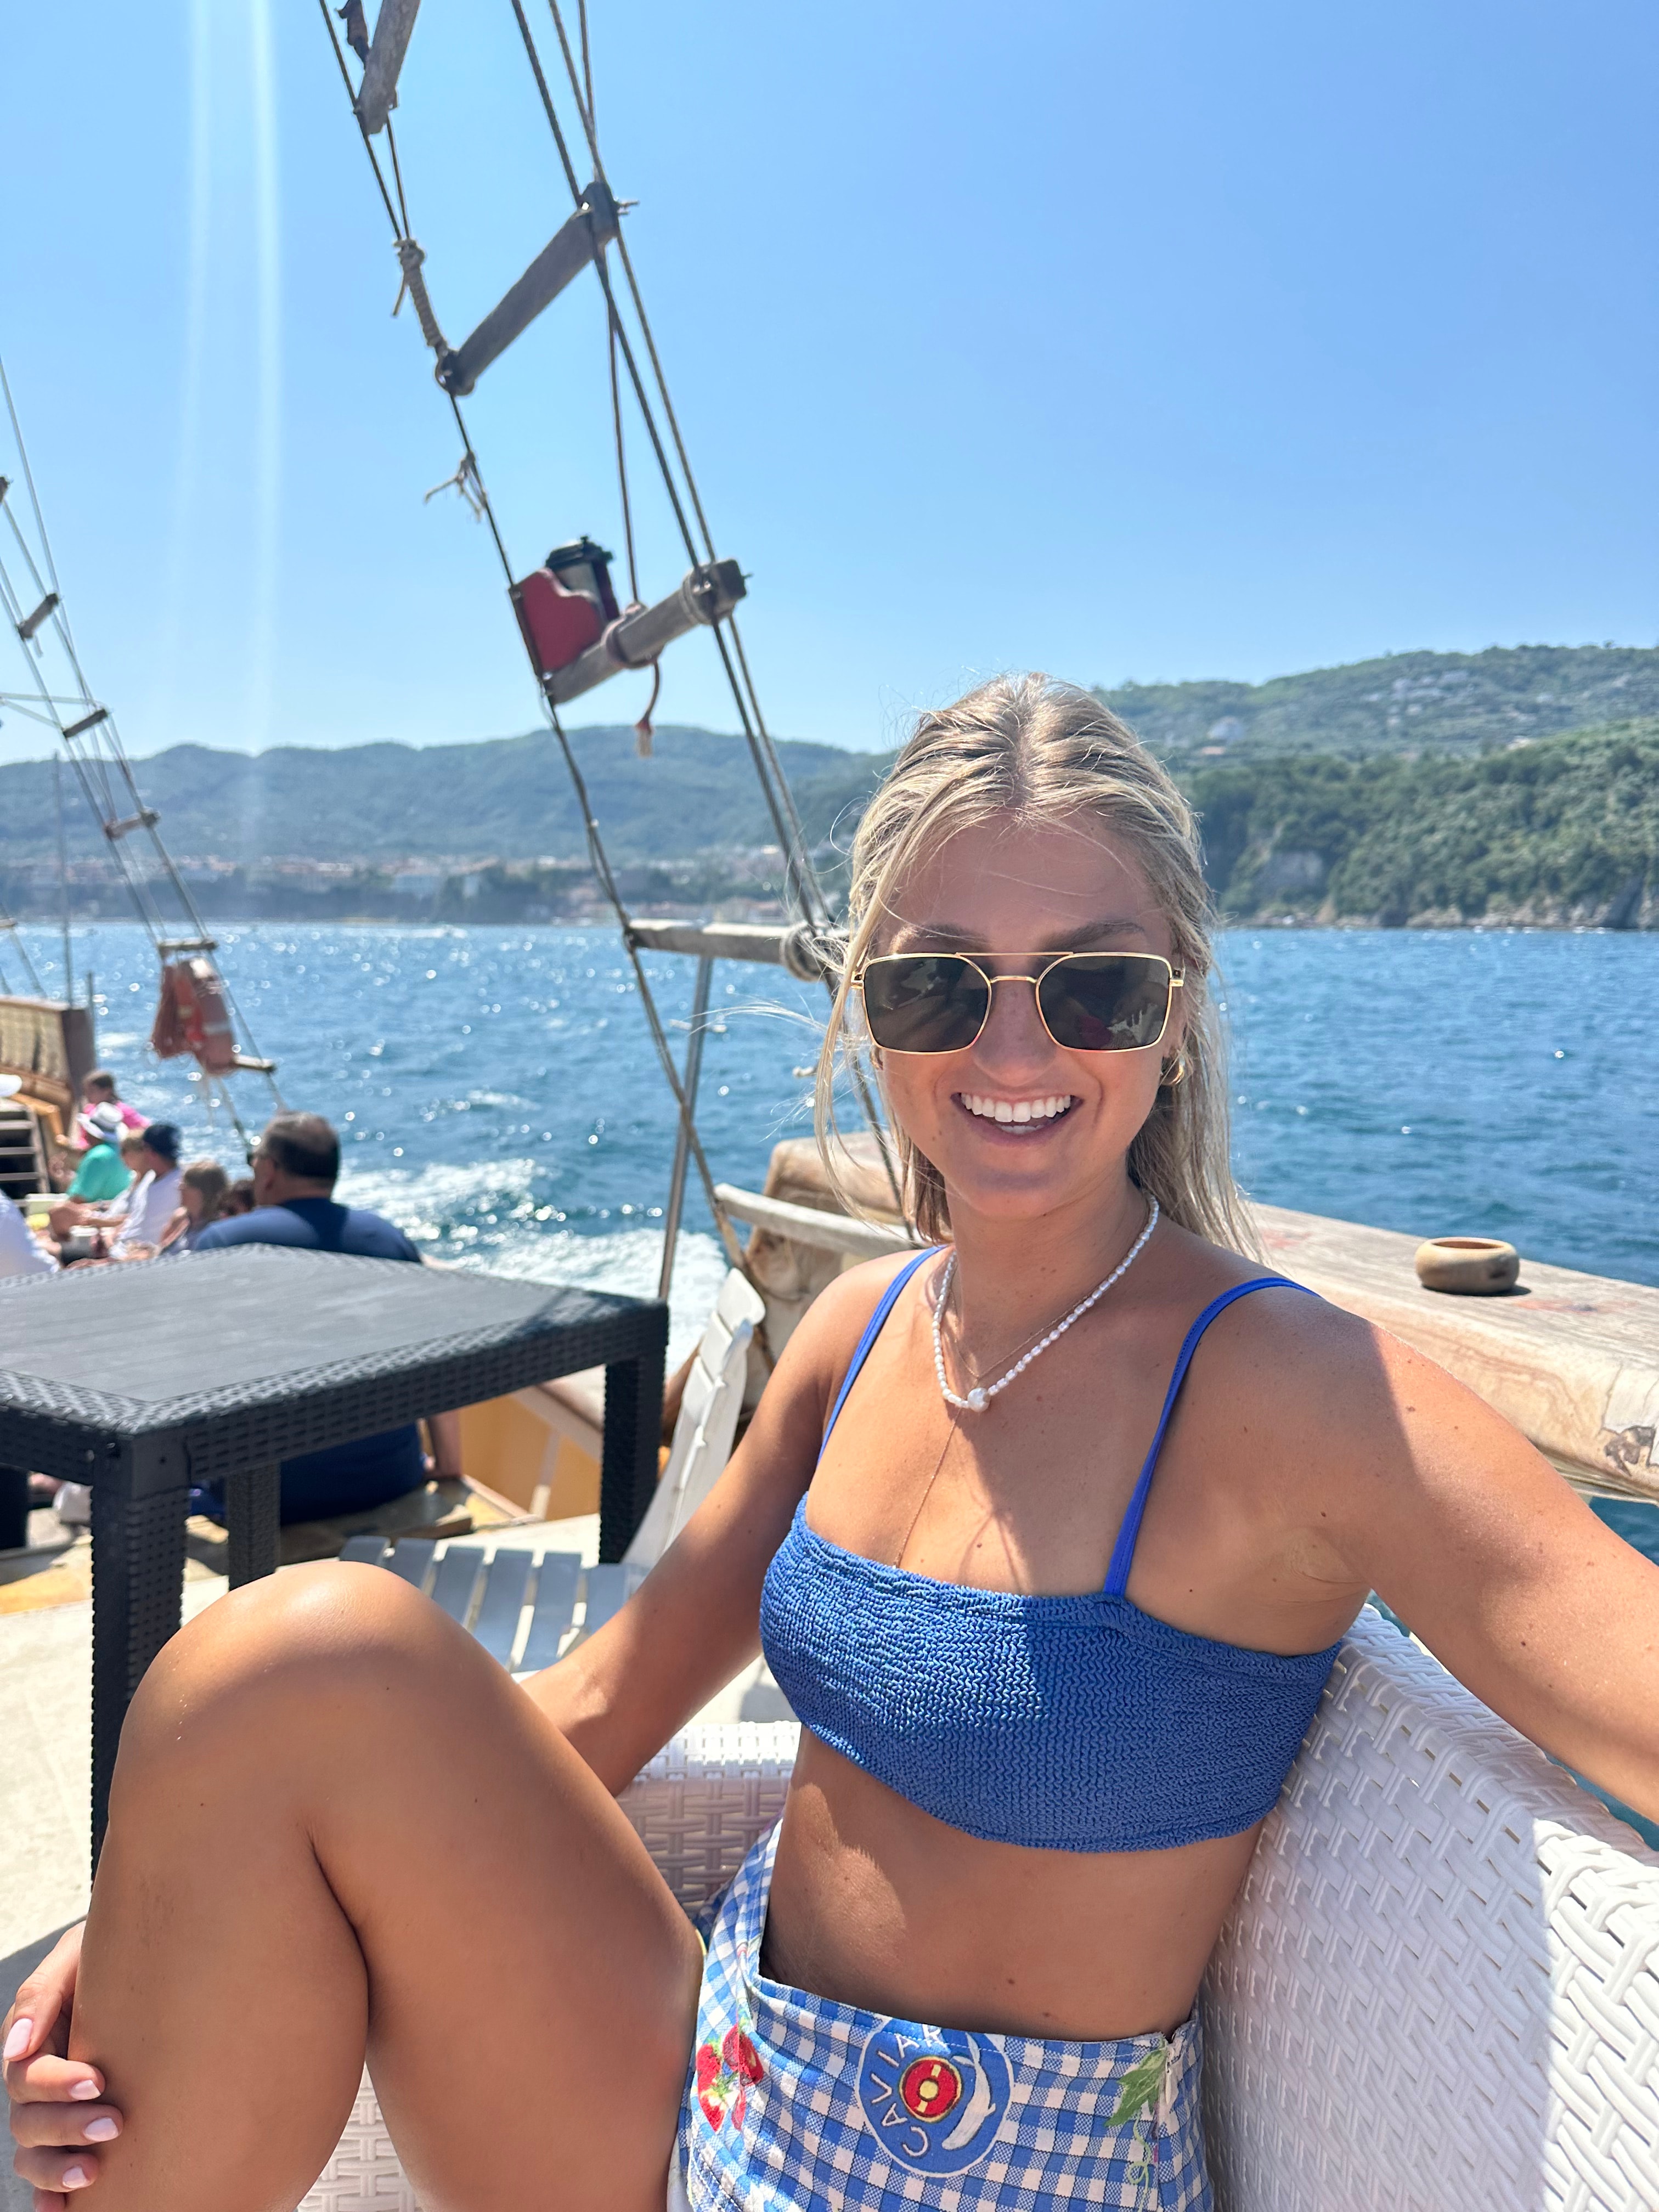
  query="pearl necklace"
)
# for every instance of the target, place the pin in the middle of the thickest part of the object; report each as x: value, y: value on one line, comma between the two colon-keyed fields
x: 981, y: 1396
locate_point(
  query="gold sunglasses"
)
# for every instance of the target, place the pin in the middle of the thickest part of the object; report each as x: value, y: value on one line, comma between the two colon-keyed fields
x: 1087, y: 1001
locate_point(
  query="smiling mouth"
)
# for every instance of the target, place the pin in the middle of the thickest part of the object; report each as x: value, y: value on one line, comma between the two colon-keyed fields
x: 1022, y: 1114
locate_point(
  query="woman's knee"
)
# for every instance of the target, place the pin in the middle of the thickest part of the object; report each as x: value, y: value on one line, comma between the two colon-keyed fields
x: 296, y: 1649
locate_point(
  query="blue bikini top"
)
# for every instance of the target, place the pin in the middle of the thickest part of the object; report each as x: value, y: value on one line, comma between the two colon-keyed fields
x: 1075, y: 1723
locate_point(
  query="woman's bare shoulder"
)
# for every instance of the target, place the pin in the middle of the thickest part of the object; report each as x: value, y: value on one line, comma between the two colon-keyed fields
x: 1327, y: 1412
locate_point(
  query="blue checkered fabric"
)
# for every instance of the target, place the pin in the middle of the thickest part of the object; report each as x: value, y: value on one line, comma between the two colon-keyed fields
x: 796, y: 2104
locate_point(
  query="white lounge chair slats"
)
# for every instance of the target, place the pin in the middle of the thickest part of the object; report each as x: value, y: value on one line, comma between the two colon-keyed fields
x: 412, y: 1560
x: 457, y: 1582
x: 608, y: 1590
x: 499, y: 1610
x: 520, y: 1603
x: 1439, y: 1990
x: 707, y: 1420
x: 558, y: 1578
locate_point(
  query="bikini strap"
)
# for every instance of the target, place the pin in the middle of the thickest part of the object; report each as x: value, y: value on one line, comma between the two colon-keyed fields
x: 873, y: 1329
x: 1123, y: 1552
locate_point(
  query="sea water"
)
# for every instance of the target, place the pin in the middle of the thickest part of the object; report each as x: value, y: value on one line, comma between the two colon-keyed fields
x: 499, y: 1095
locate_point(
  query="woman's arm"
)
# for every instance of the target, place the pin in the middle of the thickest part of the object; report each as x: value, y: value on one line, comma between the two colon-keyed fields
x: 695, y: 1622
x: 1475, y: 1541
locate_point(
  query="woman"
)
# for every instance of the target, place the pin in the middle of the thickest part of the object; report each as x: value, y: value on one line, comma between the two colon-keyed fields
x: 203, y: 1189
x: 1047, y: 1699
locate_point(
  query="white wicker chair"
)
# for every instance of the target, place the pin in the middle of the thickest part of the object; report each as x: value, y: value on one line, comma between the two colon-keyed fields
x: 1439, y: 1990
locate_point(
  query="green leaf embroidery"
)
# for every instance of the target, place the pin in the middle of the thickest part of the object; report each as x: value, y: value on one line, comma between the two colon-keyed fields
x: 1142, y: 2086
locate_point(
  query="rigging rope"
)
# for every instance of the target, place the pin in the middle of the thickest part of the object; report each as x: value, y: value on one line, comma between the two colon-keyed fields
x: 811, y: 901
x: 805, y: 894
x: 93, y: 742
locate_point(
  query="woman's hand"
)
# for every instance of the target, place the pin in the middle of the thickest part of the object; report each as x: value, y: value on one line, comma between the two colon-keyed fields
x: 58, y: 2107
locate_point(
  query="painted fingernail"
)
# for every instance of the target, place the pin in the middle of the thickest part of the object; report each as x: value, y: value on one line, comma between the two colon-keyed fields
x: 18, y: 2041
x: 74, y: 2177
x: 103, y: 2130
x: 82, y: 2090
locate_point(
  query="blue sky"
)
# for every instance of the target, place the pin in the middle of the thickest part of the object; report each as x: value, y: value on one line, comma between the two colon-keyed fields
x: 1151, y: 342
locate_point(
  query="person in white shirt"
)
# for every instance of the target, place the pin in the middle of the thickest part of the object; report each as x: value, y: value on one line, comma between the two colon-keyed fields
x: 19, y: 1253
x: 153, y: 1197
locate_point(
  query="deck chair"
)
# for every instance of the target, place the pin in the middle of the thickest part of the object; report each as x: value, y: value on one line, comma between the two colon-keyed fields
x: 1437, y: 1990
x: 707, y: 1420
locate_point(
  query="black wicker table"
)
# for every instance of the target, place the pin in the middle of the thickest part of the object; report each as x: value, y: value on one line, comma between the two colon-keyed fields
x: 140, y: 1380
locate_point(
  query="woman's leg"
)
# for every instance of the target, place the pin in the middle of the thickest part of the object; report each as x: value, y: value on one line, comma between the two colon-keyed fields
x: 335, y: 1821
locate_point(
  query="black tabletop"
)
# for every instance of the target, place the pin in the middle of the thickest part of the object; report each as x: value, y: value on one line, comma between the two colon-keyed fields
x: 309, y: 1346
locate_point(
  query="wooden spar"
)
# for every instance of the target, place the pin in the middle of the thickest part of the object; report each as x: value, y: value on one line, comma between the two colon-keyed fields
x: 706, y: 595
x: 30, y: 624
x: 716, y: 940
x: 1571, y: 1360
x: 378, y: 93
x: 807, y: 1225
x: 566, y: 254
x: 793, y: 944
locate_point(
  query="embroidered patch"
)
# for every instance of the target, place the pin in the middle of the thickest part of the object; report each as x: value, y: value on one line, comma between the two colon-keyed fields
x: 726, y: 2073
x: 930, y: 2087
x: 934, y: 2099
x: 1143, y: 2085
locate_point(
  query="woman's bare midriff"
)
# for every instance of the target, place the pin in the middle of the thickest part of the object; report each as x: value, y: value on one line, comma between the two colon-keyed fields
x: 876, y: 1903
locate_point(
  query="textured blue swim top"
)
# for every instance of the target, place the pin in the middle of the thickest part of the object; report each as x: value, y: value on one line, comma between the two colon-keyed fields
x: 1076, y: 1724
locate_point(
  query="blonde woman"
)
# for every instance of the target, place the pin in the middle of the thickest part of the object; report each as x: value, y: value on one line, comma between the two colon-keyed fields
x: 202, y: 1190
x: 1050, y: 1536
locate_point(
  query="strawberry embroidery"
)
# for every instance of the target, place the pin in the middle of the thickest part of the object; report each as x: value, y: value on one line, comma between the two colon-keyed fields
x: 726, y: 2074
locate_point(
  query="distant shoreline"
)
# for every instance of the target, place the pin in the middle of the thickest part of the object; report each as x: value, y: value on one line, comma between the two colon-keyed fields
x: 759, y: 911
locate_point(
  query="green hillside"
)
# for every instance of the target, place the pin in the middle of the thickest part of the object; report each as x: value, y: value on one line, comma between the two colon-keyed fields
x: 1424, y: 701
x: 1563, y: 831
x: 1427, y: 785
x: 507, y: 799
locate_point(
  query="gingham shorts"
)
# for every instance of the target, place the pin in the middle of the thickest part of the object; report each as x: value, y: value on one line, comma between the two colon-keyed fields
x: 796, y: 2104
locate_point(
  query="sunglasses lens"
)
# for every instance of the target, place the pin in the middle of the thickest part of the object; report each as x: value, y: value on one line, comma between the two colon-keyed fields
x: 924, y: 1002
x: 1106, y: 1001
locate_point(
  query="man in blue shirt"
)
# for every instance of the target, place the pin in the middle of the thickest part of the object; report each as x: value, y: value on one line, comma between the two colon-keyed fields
x: 296, y: 1166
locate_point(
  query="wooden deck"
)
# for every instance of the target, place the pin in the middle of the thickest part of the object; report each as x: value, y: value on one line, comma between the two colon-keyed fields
x: 1572, y: 1360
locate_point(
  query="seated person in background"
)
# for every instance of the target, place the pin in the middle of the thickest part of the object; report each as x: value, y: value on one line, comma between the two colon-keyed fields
x: 202, y: 1188
x: 19, y: 1253
x: 295, y: 1165
x: 153, y: 1198
x: 100, y: 1089
x: 102, y: 1175
x: 108, y: 1214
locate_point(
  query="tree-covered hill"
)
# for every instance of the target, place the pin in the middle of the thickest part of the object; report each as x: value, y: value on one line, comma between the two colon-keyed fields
x: 1563, y: 831
x: 1425, y: 785
x: 504, y: 799
x: 1421, y: 702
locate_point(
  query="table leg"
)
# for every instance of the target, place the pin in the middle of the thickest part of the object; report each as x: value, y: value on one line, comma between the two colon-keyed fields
x: 633, y: 1432
x: 137, y: 1588
x: 252, y: 1497
x: 13, y: 1509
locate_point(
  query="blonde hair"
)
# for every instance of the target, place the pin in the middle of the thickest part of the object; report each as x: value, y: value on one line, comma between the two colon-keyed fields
x: 1037, y: 750
x: 210, y: 1179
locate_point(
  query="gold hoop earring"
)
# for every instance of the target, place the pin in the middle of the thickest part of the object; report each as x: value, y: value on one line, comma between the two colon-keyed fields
x: 1172, y: 1080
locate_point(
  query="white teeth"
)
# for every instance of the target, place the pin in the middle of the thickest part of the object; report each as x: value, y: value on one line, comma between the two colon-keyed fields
x: 1016, y: 1112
